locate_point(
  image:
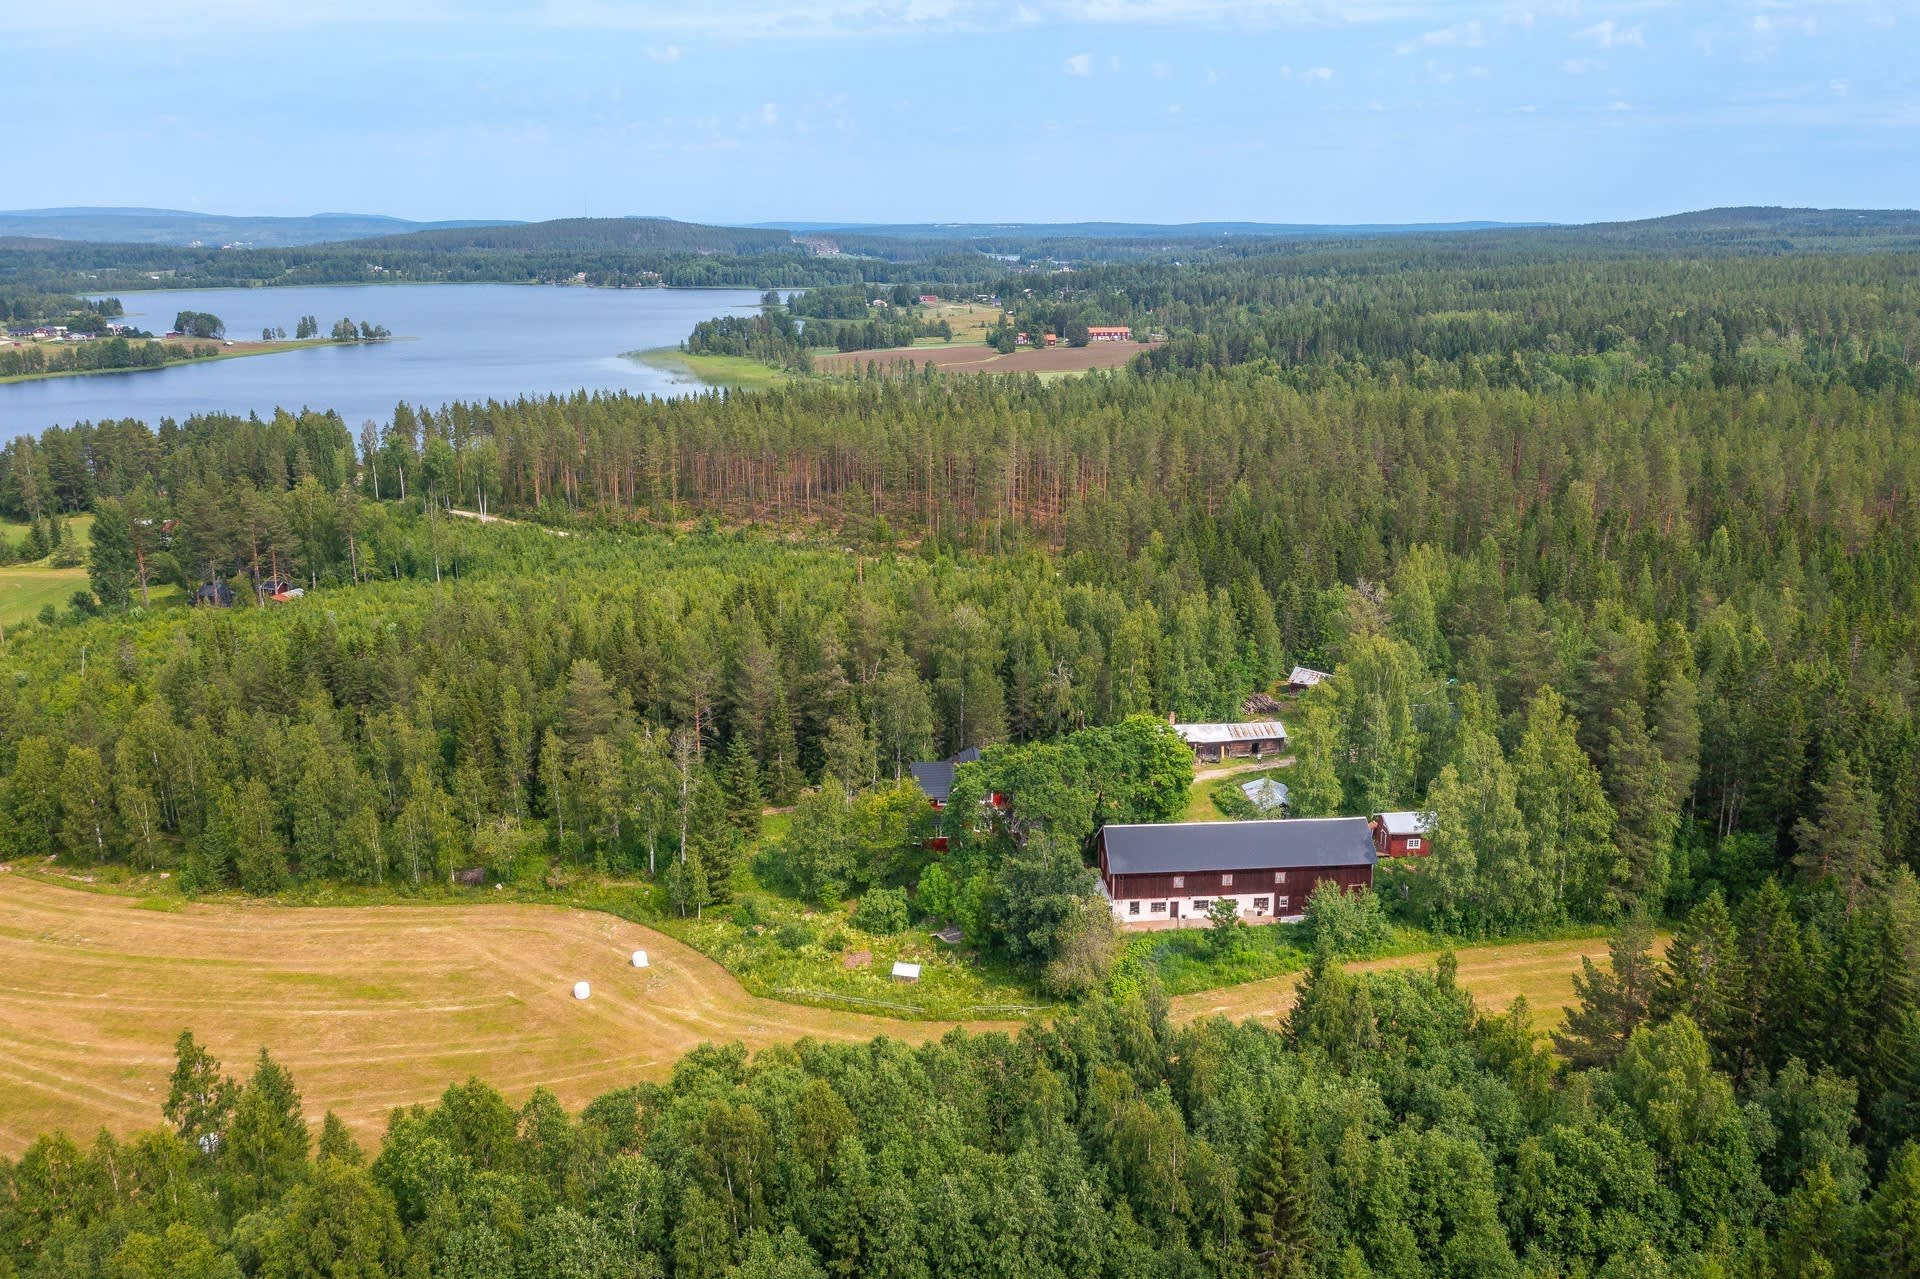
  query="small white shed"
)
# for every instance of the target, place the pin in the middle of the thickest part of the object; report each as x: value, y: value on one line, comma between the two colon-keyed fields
x: 903, y: 971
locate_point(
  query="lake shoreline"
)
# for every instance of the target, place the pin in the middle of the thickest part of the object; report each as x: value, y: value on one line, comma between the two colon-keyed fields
x: 276, y: 348
x: 721, y: 372
x: 465, y: 343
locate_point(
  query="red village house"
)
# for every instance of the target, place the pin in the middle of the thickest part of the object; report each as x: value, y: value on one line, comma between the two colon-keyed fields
x: 1400, y: 834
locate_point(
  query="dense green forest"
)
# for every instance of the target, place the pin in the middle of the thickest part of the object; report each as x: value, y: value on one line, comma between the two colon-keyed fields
x: 1614, y: 560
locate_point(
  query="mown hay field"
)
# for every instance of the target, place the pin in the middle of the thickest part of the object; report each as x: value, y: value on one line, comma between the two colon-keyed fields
x: 374, y: 1007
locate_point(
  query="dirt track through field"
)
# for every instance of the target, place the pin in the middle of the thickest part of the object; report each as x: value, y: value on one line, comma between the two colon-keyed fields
x: 370, y: 1007
x: 380, y: 1006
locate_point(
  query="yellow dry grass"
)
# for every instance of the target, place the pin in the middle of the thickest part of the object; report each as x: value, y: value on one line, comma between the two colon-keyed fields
x: 380, y: 1006
x: 370, y: 1007
x: 1541, y: 971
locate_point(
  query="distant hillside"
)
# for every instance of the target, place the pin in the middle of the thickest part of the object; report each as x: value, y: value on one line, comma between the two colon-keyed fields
x: 180, y: 228
x: 592, y: 234
x: 999, y: 231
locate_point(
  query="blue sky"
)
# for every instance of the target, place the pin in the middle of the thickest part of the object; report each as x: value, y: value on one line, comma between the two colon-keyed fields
x: 964, y: 110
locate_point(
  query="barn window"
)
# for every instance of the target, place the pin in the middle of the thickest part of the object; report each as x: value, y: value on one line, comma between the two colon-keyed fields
x: 1133, y: 908
x: 1285, y: 902
x: 1201, y: 904
x: 1261, y: 905
x: 1413, y: 844
x: 1179, y: 881
x: 1226, y: 881
x: 1158, y: 908
x: 1279, y: 876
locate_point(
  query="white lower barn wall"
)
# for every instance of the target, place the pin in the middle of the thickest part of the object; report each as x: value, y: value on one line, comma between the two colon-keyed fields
x: 1280, y: 908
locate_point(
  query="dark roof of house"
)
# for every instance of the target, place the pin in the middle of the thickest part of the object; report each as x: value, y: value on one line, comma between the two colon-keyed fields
x: 1178, y: 847
x: 935, y: 777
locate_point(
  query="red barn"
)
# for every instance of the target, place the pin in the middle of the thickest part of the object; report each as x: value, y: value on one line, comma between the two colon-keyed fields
x: 1164, y: 873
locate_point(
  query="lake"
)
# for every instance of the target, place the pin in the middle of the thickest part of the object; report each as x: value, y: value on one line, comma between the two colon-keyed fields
x: 452, y: 342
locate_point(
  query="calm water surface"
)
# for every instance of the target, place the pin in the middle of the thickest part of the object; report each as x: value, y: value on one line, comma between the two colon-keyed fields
x: 453, y: 342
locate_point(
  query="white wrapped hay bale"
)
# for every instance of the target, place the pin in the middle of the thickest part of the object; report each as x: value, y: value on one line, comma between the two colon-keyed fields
x: 581, y: 990
x: 640, y: 959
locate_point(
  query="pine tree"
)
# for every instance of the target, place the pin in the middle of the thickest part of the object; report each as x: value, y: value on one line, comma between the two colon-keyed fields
x: 1612, y: 1004
x: 1279, y: 1206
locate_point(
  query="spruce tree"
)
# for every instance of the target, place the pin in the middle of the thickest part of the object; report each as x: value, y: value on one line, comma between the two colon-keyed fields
x: 1279, y: 1206
x: 1889, y: 1246
x: 1769, y: 1023
x: 1841, y: 847
x: 266, y: 1148
x: 1703, y: 977
x: 337, y: 1143
x: 200, y: 1099
x: 740, y: 780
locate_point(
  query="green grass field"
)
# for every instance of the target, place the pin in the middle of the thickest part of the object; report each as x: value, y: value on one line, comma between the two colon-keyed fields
x: 27, y: 588
x: 735, y: 372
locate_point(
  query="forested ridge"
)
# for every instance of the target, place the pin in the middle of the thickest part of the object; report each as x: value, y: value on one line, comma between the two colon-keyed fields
x: 1621, y: 592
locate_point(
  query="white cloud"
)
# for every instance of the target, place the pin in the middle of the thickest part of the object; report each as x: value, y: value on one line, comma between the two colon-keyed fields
x: 1161, y: 70
x: 1608, y: 34
x: 1467, y: 35
x: 1527, y: 109
x: 1838, y: 88
x: 1618, y: 105
x: 1317, y: 75
x: 667, y: 53
x: 1583, y: 66
x: 1080, y: 64
x: 769, y: 114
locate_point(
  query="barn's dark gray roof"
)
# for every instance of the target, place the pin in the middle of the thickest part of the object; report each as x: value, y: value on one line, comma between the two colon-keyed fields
x: 935, y: 777
x: 1178, y: 847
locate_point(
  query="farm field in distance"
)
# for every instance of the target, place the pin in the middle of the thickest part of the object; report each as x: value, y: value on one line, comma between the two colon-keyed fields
x: 980, y: 358
x: 377, y: 1007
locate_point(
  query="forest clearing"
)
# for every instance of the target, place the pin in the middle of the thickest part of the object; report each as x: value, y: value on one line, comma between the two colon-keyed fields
x: 979, y: 358
x: 377, y: 1007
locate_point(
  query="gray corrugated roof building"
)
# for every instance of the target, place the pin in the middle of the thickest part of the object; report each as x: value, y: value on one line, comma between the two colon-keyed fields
x: 1266, y: 730
x: 1179, y: 847
x: 935, y: 777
